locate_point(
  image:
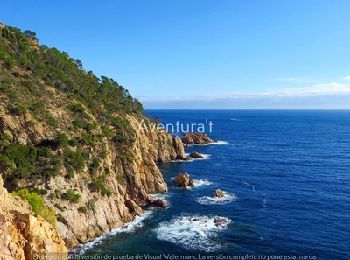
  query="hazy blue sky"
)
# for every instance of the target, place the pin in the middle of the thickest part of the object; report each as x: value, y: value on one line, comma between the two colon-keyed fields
x: 204, y: 54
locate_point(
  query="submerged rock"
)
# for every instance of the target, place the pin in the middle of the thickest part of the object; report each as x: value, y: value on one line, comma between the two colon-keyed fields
x: 220, y: 221
x: 196, y: 138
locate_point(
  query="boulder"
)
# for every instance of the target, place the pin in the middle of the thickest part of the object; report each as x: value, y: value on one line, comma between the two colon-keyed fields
x: 218, y: 193
x: 133, y: 207
x: 191, y: 183
x: 183, y: 180
x: 196, y: 138
x: 196, y: 155
x: 220, y: 221
x: 158, y: 203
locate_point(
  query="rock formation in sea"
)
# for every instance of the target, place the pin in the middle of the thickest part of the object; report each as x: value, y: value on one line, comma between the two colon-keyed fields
x: 183, y: 180
x: 196, y: 155
x: 72, y: 150
x: 218, y: 193
x: 196, y: 138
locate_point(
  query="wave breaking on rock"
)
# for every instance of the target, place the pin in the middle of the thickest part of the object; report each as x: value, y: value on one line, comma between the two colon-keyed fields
x: 225, y: 199
x: 196, y: 232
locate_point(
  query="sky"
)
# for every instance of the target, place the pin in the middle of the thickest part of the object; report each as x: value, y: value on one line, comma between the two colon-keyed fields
x: 204, y: 53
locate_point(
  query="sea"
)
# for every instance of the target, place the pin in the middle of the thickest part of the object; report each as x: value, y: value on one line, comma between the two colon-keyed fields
x: 286, y: 179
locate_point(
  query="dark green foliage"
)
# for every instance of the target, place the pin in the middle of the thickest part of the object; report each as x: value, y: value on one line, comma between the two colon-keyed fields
x: 27, y: 161
x: 83, y: 210
x: 40, y: 112
x: 106, y: 131
x: 38, y: 191
x: 56, y: 194
x: 17, y: 109
x: 71, y: 196
x: 61, y: 219
x: 35, y: 81
x: 63, y: 140
x: 73, y: 142
x: 91, y: 205
x: 94, y: 165
x: 74, y: 160
x: 30, y: 34
x: 65, y: 73
x: 76, y: 108
x: 99, y: 185
x: 88, y: 139
x: 79, y: 123
x: 70, y: 174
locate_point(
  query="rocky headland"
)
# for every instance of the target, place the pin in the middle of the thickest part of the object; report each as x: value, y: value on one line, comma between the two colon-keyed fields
x: 74, y: 161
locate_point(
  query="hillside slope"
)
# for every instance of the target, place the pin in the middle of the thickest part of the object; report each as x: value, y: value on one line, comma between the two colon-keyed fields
x: 71, y: 143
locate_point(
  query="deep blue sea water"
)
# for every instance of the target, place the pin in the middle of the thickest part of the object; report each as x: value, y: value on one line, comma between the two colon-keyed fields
x: 287, y: 176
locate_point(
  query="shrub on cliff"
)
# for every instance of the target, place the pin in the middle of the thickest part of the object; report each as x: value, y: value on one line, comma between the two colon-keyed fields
x: 71, y: 196
x: 74, y: 160
x: 38, y: 205
x: 99, y: 185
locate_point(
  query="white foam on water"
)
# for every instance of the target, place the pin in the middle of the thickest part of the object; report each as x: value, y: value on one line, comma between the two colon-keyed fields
x: 196, y: 232
x: 205, y: 156
x: 202, y: 182
x: 181, y: 160
x: 227, y: 198
x: 220, y: 142
x: 159, y: 196
x: 190, y: 159
x: 126, y: 228
x: 197, y: 183
x: 250, y: 185
x: 235, y: 119
x: 264, y: 202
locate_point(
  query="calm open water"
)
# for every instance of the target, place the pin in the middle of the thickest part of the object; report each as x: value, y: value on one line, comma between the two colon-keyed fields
x: 286, y: 175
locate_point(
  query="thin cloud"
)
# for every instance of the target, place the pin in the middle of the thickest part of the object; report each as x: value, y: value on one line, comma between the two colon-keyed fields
x: 313, y: 90
x: 295, y: 79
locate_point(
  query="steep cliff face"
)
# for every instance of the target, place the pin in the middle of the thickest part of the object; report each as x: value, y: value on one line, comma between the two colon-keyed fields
x: 129, y: 180
x: 73, y: 146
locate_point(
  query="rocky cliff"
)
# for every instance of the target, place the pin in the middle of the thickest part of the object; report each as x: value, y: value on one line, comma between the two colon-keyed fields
x: 73, y: 150
x: 23, y: 236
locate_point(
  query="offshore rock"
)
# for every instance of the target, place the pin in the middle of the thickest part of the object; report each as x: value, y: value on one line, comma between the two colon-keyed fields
x: 196, y: 138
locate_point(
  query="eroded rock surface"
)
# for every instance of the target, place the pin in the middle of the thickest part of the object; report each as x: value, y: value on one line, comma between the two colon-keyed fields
x: 196, y: 138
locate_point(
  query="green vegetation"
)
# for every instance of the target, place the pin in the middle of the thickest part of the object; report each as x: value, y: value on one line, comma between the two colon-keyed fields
x: 74, y: 160
x: 71, y: 196
x: 83, y: 210
x: 94, y: 165
x: 120, y: 179
x: 63, y: 140
x: 28, y: 161
x: 106, y: 131
x: 64, y: 73
x: 38, y: 205
x: 90, y: 205
x: 50, y: 95
x: 99, y: 185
